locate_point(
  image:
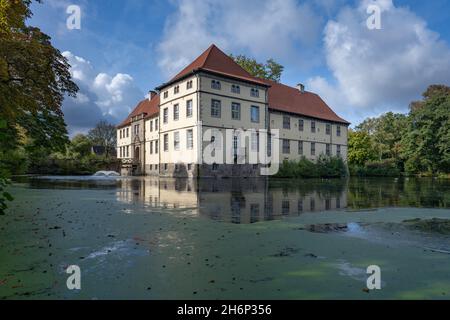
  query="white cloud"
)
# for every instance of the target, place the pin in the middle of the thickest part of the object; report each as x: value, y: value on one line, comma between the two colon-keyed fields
x: 380, y: 70
x: 101, y: 96
x: 263, y: 28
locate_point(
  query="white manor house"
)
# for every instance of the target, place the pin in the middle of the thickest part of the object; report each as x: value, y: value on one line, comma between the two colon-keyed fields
x: 167, y: 133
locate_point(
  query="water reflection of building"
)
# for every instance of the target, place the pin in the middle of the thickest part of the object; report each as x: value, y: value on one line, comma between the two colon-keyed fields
x: 234, y: 200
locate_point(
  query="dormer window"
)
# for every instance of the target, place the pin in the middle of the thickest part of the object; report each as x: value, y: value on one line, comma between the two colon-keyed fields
x: 254, y: 92
x: 235, y: 89
x: 215, y: 84
x: 189, y: 84
x: 176, y: 89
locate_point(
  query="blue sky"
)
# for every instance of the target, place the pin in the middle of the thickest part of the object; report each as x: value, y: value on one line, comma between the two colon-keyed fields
x: 125, y: 48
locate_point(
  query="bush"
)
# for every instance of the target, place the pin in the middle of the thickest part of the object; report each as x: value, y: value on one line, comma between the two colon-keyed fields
x: 383, y: 168
x: 325, y: 167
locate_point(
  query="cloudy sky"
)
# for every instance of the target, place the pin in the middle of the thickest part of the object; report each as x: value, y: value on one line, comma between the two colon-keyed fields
x: 126, y: 48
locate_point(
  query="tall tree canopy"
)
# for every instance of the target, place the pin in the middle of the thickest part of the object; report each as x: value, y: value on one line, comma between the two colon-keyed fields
x: 270, y: 70
x: 427, y: 142
x: 34, y: 78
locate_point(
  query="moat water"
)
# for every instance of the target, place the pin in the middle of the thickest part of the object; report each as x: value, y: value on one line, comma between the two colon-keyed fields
x: 149, y: 238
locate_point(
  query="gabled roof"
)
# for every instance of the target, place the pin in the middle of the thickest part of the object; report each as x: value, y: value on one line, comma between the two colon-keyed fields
x: 216, y: 61
x: 289, y: 99
x: 281, y: 97
x: 150, y: 107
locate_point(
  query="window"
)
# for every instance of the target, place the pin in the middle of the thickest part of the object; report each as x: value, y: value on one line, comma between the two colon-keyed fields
x: 338, y: 150
x: 313, y: 149
x: 328, y: 149
x: 215, y: 167
x: 312, y: 203
x: 166, y: 94
x: 156, y: 124
x: 151, y: 147
x: 215, y: 84
x: 166, y: 166
x: 156, y: 167
x: 189, y: 108
x: 128, y: 151
x: 338, y: 131
x: 120, y: 134
x: 235, y: 111
x: 190, y: 139
x: 254, y: 113
x: 165, y: 115
x: 176, y: 89
x: 136, y: 129
x: 300, y: 125
x: 176, y: 112
x: 166, y: 142
x: 151, y: 125
x: 328, y: 129
x: 189, y: 84
x: 189, y: 166
x: 176, y: 140
x: 215, y: 108
x: 338, y: 203
x: 120, y: 152
x: 286, y: 122
x: 128, y: 132
x: 151, y: 167
x: 286, y: 146
x: 300, y: 147
x: 254, y: 92
x: 235, y: 88
x: 255, y: 141
x: 313, y: 126
x: 156, y: 146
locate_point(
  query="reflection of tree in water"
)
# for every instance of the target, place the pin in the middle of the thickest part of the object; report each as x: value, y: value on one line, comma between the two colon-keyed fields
x: 324, y: 188
x: 408, y: 192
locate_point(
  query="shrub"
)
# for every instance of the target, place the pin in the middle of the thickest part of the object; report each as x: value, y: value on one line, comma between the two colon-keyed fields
x: 380, y: 168
x: 325, y: 167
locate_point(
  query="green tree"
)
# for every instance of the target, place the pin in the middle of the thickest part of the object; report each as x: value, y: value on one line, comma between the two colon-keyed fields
x: 104, y: 134
x: 34, y: 78
x: 80, y: 146
x: 427, y: 141
x: 386, y: 133
x: 360, y: 148
x: 270, y: 70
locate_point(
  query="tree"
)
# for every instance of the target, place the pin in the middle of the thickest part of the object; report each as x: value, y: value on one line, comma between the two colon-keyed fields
x: 270, y: 70
x: 427, y: 142
x: 386, y: 133
x: 360, y: 148
x: 104, y: 134
x: 80, y: 145
x: 34, y: 78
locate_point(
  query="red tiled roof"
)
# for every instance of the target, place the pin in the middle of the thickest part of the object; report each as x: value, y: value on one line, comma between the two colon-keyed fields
x: 216, y: 61
x: 289, y: 99
x: 281, y: 97
x: 150, y: 107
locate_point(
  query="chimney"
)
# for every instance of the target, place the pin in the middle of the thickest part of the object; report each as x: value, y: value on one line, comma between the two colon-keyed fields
x: 151, y: 94
x: 301, y: 87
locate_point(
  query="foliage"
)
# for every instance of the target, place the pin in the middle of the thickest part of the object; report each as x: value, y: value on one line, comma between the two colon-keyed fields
x: 34, y: 78
x: 376, y: 168
x: 427, y: 142
x: 104, y: 134
x: 360, y: 148
x: 324, y: 167
x: 80, y: 146
x: 270, y: 70
x: 417, y: 143
x: 4, y: 195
